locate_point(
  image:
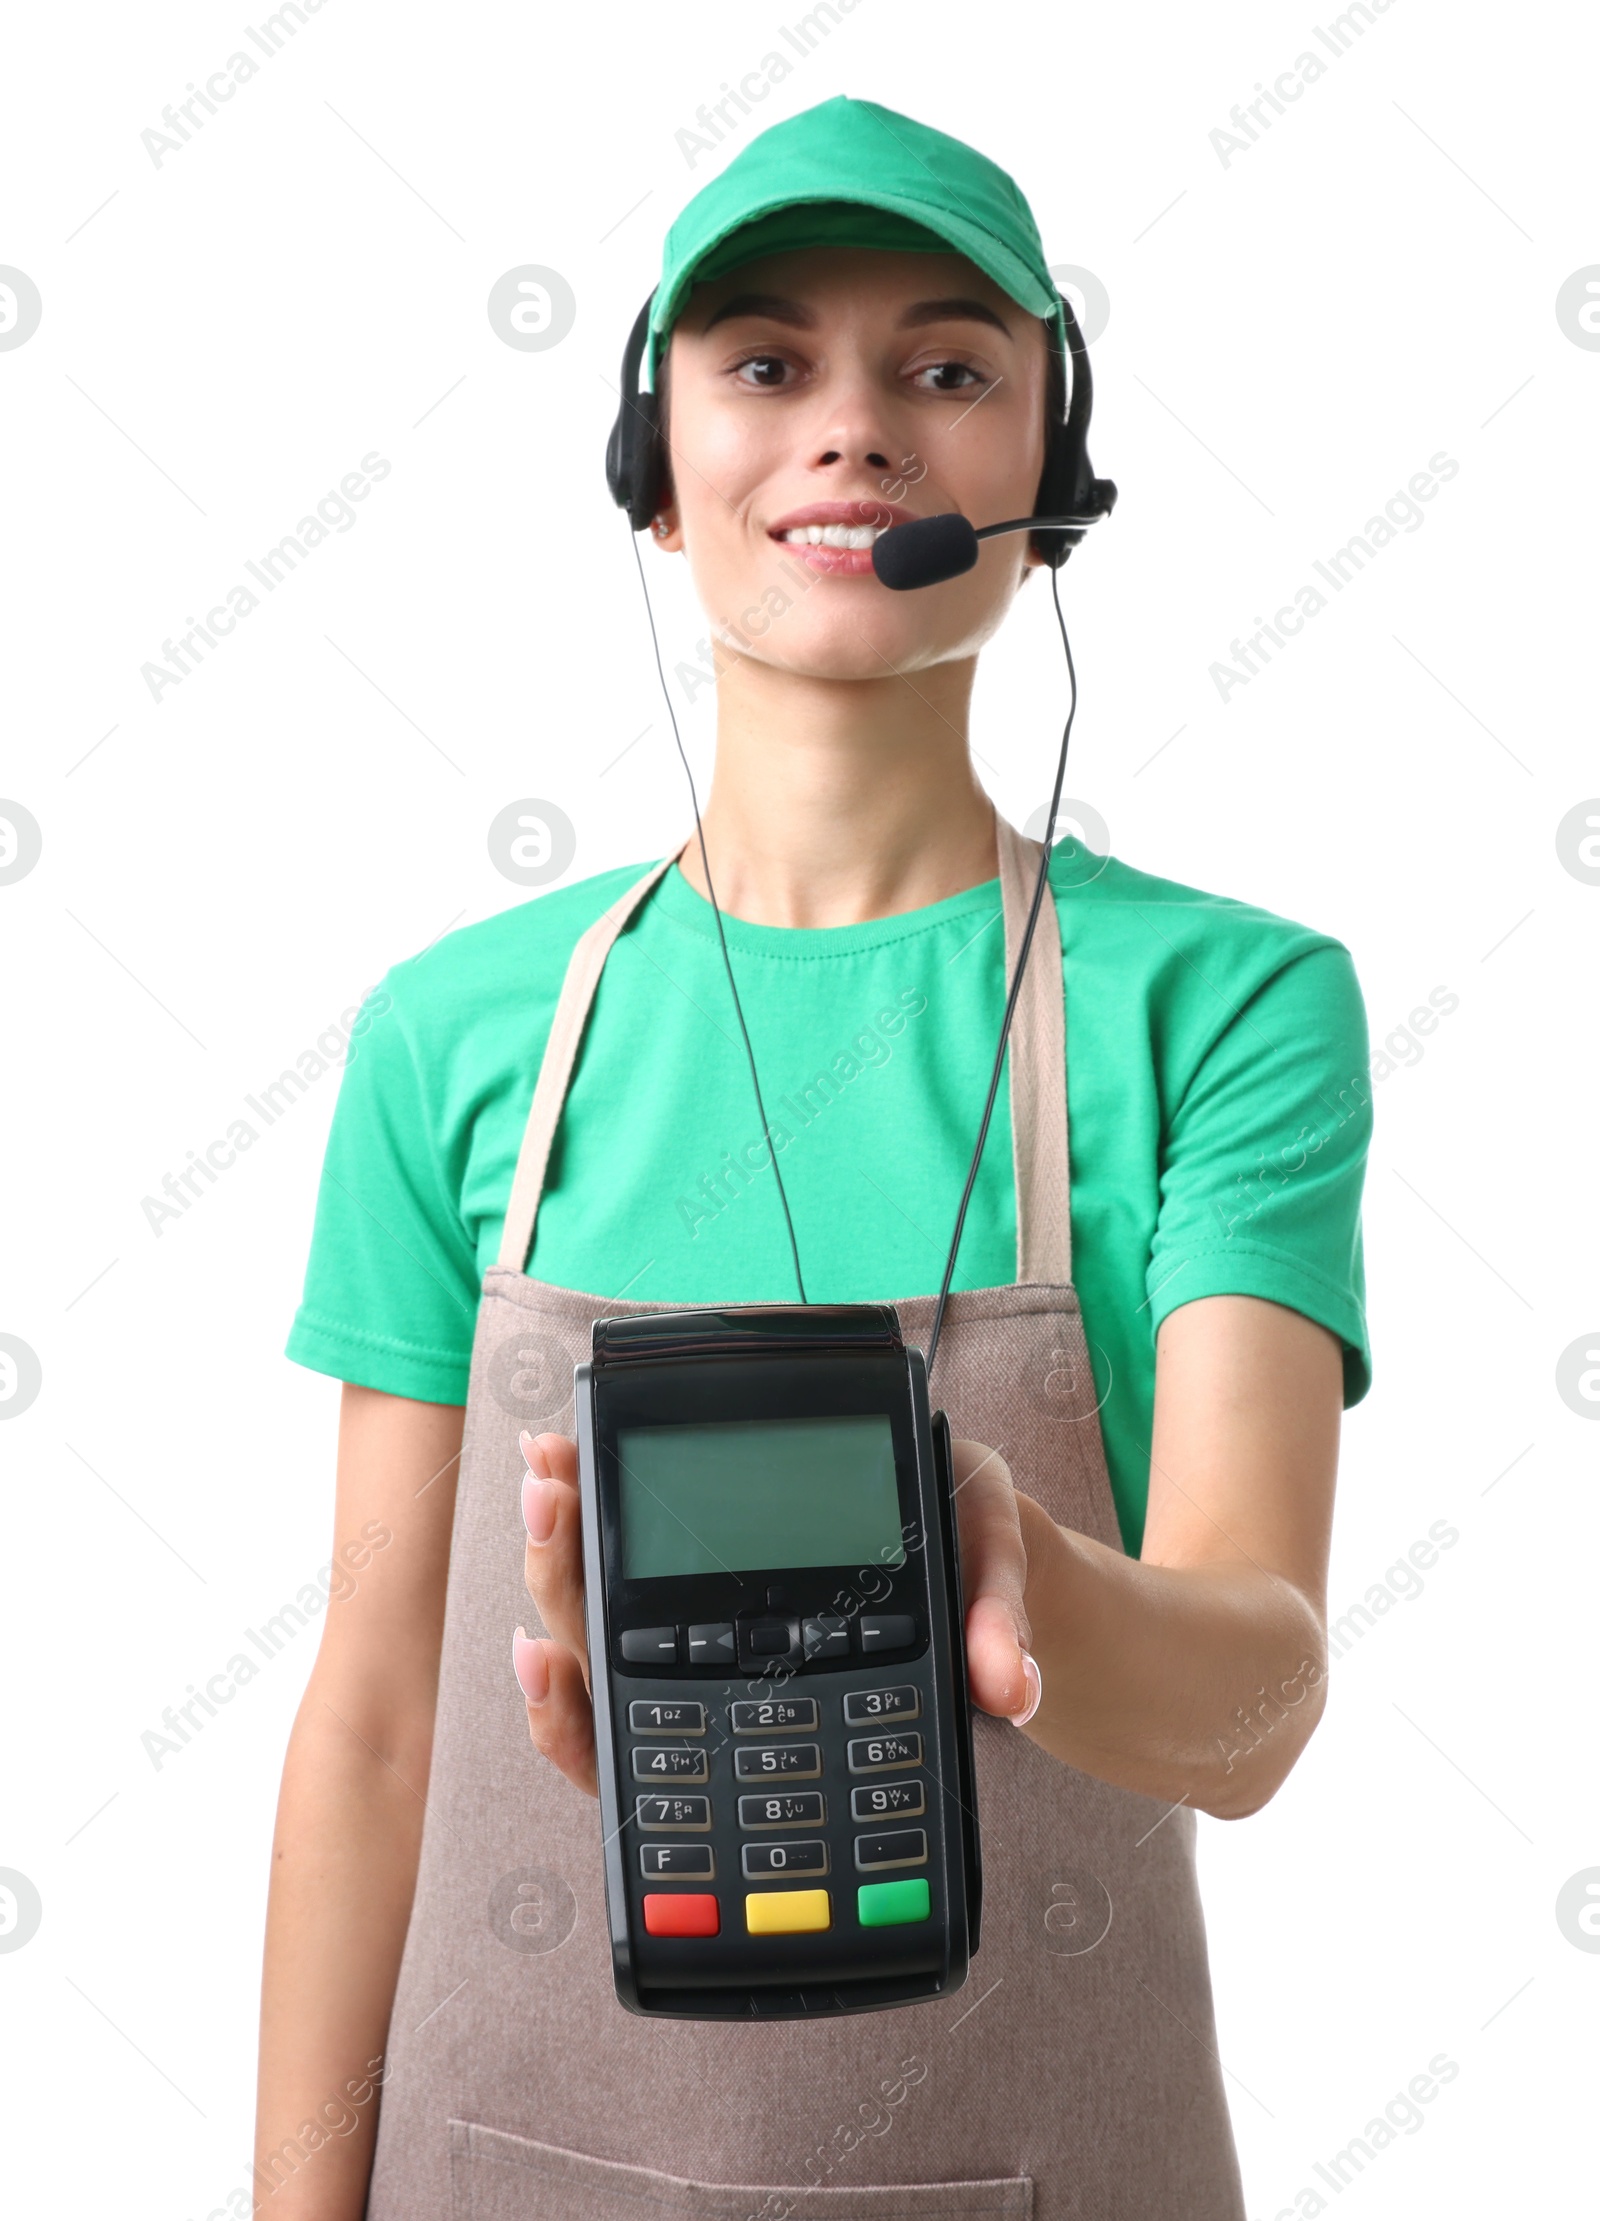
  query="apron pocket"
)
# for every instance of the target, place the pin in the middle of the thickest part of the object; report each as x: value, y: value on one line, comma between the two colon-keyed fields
x: 496, y: 2177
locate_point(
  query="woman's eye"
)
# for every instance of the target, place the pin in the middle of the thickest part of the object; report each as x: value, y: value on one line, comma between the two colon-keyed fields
x: 761, y: 370
x: 948, y: 377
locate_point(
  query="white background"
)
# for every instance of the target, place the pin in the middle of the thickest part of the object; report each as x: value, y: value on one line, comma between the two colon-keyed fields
x: 1291, y: 336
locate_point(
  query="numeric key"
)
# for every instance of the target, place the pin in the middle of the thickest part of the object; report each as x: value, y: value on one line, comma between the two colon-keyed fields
x: 873, y: 1707
x: 888, y: 1800
x: 673, y: 1812
x: 669, y: 1762
x: 797, y: 1808
x: 655, y: 1716
x: 868, y: 1753
x: 764, y: 1761
x: 763, y: 1860
x: 772, y: 1715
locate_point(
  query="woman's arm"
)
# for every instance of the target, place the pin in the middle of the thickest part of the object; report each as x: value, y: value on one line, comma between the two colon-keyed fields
x: 1194, y: 1673
x: 344, y: 1853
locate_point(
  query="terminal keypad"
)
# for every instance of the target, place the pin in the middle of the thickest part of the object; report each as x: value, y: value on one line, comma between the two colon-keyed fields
x: 748, y: 1752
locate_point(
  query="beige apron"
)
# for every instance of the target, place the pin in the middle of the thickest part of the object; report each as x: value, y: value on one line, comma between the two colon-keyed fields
x: 1074, y: 2075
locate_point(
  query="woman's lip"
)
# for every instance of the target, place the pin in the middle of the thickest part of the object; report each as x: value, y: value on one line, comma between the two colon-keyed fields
x: 855, y: 513
x: 852, y: 562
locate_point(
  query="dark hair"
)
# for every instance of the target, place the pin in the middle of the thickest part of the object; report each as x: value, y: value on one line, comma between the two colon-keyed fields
x: 1055, y: 402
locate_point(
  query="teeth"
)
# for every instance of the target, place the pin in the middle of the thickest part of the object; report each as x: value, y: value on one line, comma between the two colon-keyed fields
x: 834, y: 535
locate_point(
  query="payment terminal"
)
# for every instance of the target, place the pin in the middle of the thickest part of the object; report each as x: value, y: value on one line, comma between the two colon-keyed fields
x: 774, y: 1623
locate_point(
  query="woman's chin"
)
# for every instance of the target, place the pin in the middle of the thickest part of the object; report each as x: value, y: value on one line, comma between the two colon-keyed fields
x: 848, y: 663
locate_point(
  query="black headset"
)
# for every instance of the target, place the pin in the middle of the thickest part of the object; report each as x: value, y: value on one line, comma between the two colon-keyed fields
x: 1067, y: 484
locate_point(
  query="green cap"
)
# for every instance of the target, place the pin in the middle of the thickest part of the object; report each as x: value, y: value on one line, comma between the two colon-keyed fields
x: 849, y: 173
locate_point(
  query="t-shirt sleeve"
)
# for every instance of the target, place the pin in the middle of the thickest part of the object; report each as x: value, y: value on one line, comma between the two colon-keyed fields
x: 391, y: 1285
x: 1265, y: 1158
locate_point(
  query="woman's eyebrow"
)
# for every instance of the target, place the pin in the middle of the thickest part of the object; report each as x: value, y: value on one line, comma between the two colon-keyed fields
x: 771, y: 305
x: 941, y: 312
x: 779, y: 309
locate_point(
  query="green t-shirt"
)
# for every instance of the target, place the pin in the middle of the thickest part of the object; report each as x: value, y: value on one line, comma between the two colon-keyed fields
x: 1219, y: 1114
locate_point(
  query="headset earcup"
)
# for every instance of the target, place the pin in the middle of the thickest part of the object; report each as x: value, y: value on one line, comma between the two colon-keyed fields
x: 644, y: 468
x: 616, y: 460
x: 633, y: 451
x: 1058, y: 489
x: 633, y: 462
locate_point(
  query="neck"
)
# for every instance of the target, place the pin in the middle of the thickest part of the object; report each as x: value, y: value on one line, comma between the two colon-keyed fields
x: 837, y: 801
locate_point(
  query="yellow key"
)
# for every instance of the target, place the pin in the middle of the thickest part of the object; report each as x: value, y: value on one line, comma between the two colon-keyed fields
x: 786, y: 1912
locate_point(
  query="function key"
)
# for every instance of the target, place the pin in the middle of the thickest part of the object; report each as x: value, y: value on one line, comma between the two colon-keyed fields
x: 887, y: 1904
x: 866, y: 1753
x: 669, y: 1762
x: 867, y: 1707
x: 798, y: 1808
x: 905, y: 1847
x: 763, y: 1859
x: 887, y: 1630
x: 768, y: 1642
x: 673, y: 1812
x: 650, y: 1646
x: 889, y: 1800
x: 772, y: 1715
x: 653, y: 1716
x: 825, y: 1637
x: 674, y: 1913
x: 677, y: 1862
x: 711, y: 1643
x: 786, y: 1912
x: 759, y: 1761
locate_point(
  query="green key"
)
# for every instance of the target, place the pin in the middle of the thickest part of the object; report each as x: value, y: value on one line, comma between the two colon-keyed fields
x: 887, y: 1904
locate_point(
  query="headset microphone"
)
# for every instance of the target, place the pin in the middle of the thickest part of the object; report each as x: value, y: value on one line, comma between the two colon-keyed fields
x: 929, y: 550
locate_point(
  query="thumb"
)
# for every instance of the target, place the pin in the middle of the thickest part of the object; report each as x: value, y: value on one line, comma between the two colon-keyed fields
x: 1002, y: 1675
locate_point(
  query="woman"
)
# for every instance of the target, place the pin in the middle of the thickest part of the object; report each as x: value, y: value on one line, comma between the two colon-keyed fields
x: 855, y: 325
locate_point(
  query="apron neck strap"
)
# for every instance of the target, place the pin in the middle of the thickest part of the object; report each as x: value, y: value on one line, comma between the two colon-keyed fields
x: 1036, y: 1054
x: 584, y: 967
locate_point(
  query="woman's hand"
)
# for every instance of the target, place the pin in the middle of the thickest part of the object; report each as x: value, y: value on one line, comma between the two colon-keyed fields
x: 554, y: 1672
x: 996, y: 1527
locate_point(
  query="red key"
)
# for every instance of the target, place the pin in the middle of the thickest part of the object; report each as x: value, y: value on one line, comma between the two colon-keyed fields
x: 671, y: 1915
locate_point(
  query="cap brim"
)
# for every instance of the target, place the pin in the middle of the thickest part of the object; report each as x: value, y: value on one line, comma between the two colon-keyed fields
x: 965, y: 237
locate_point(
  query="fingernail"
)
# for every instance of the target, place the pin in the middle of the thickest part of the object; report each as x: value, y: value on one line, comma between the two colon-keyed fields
x: 1035, y: 1691
x: 530, y: 1450
x: 527, y: 1661
x: 538, y: 1508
